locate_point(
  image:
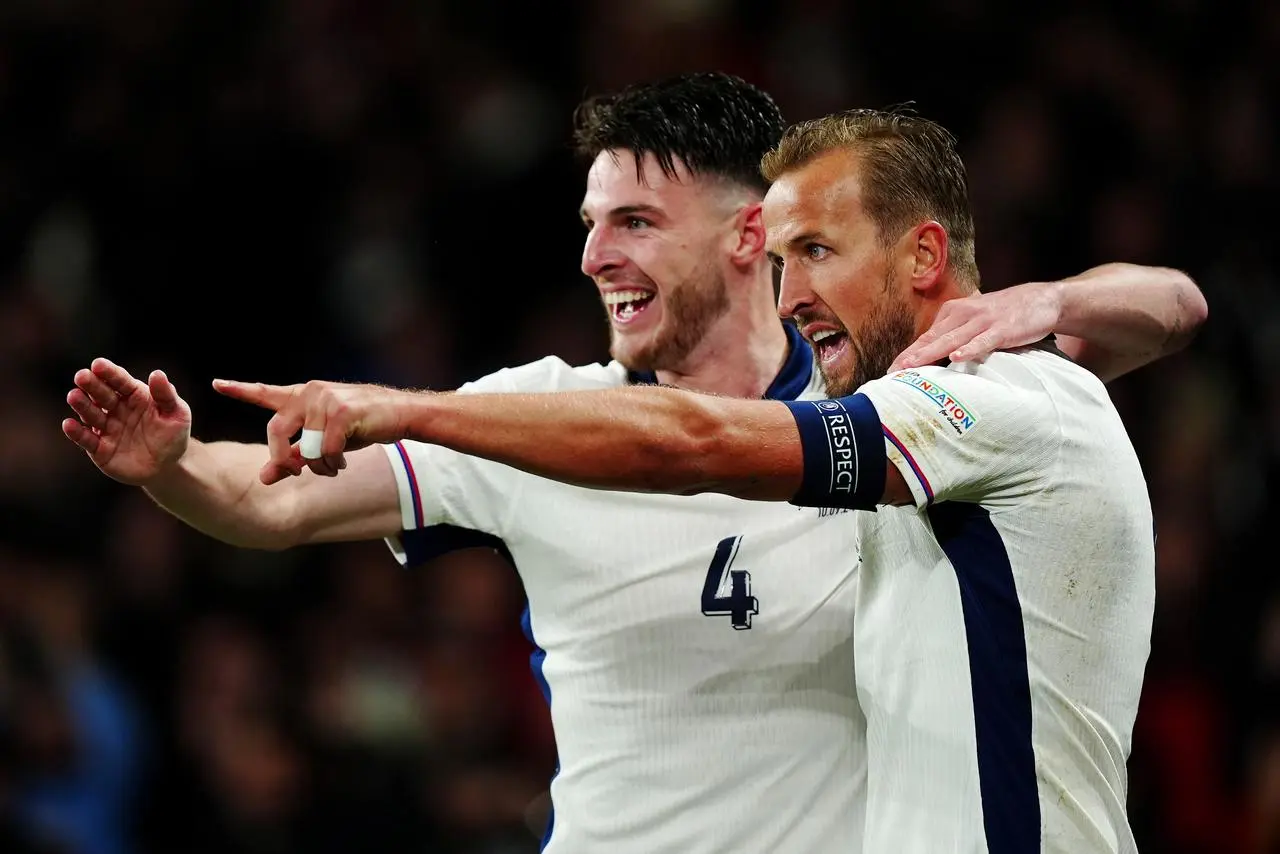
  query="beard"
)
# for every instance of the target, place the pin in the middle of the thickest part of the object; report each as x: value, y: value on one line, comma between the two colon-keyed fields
x: 689, y: 310
x: 887, y: 330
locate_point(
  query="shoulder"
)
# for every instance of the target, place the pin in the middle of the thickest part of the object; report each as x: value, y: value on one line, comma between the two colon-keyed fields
x: 1008, y: 386
x: 550, y: 374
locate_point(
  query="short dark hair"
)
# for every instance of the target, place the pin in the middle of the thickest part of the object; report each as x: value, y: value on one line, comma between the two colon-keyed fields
x: 911, y: 169
x: 716, y: 124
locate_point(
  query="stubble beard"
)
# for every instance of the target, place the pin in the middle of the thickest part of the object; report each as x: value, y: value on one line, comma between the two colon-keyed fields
x: 887, y: 331
x: 689, y: 311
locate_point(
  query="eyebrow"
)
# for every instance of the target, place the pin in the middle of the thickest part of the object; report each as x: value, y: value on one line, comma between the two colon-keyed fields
x: 624, y: 210
x: 792, y: 242
x: 801, y: 239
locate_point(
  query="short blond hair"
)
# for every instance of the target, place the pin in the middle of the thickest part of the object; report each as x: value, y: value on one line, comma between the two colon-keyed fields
x: 911, y: 173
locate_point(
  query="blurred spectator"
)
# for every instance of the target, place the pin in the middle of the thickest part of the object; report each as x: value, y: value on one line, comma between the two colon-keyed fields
x: 365, y: 189
x: 74, y: 729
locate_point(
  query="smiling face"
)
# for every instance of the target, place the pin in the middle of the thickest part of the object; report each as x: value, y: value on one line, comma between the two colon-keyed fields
x: 849, y: 294
x: 654, y: 249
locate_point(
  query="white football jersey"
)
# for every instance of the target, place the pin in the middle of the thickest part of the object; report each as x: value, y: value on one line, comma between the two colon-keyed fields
x: 696, y: 652
x: 1004, y: 620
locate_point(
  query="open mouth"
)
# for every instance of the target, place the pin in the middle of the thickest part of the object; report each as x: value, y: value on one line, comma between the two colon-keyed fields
x: 625, y: 306
x: 829, y: 345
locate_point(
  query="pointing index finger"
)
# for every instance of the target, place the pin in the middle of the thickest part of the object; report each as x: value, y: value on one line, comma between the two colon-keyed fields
x: 260, y: 394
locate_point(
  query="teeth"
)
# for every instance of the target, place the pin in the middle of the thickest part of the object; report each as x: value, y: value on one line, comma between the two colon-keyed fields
x: 619, y: 297
x: 825, y: 333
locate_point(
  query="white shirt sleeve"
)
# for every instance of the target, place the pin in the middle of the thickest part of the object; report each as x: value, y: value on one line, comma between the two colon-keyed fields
x: 442, y: 489
x: 960, y: 433
x: 454, y: 493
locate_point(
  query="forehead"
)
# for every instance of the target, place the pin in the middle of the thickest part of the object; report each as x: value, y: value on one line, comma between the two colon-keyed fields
x: 823, y: 194
x: 613, y: 181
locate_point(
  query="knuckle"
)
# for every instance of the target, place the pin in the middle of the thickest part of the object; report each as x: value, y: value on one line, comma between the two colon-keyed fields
x: 312, y: 389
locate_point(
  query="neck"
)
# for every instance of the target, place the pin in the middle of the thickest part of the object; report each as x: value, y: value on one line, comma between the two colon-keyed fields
x: 743, y: 350
x: 929, y: 304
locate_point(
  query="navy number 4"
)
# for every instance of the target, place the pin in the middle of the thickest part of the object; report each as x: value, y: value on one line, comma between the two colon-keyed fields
x: 739, y: 605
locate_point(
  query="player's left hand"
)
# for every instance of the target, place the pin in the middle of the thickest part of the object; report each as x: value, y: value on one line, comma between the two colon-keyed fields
x: 973, y: 327
x: 349, y: 416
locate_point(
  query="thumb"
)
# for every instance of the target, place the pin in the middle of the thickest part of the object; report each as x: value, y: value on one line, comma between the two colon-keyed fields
x: 163, y: 393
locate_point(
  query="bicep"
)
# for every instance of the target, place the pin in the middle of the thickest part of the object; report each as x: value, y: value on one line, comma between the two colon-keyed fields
x: 361, y: 503
x: 750, y: 449
x: 812, y: 453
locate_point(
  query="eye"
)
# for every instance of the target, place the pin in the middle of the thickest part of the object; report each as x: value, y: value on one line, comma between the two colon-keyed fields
x: 635, y: 222
x: 815, y: 251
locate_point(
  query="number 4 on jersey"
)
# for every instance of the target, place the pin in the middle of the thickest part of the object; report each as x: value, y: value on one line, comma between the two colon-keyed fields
x: 739, y: 605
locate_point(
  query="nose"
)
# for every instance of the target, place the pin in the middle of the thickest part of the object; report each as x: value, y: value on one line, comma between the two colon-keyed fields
x: 794, y: 293
x: 599, y: 255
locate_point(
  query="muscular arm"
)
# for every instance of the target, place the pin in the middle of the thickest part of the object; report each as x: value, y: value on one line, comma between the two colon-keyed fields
x: 215, y: 488
x: 632, y: 439
x: 1118, y: 317
x: 1111, y: 319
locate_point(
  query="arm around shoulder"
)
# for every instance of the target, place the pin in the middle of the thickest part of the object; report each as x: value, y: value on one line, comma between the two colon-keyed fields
x: 1117, y: 317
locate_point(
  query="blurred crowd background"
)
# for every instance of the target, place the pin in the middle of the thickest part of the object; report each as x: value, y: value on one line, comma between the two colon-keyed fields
x: 282, y: 190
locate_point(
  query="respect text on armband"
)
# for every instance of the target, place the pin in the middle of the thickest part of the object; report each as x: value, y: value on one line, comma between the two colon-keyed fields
x: 843, y: 446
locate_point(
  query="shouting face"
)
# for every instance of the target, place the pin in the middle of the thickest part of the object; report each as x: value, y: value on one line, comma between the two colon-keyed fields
x: 653, y: 250
x: 848, y: 292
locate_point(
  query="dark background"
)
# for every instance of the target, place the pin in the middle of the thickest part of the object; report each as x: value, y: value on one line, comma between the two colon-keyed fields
x: 375, y: 190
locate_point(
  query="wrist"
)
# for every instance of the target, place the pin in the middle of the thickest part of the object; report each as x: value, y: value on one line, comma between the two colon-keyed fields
x: 171, y: 471
x: 1059, y: 297
x: 415, y: 411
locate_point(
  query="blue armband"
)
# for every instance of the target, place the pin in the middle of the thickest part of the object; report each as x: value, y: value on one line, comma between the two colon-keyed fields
x: 844, y: 456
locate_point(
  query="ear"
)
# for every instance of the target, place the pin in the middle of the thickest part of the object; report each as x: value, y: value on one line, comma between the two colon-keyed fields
x: 928, y: 254
x: 749, y: 229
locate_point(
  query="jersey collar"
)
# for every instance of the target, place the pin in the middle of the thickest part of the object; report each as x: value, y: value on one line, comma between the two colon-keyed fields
x: 790, y: 382
x: 1048, y: 343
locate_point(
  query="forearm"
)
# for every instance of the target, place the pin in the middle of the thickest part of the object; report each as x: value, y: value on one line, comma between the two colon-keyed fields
x: 635, y: 440
x: 1122, y: 316
x: 215, y: 489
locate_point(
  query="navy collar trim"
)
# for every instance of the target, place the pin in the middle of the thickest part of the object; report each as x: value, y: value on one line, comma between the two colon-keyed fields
x: 790, y: 382
x: 1048, y: 343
